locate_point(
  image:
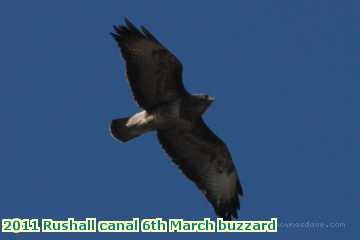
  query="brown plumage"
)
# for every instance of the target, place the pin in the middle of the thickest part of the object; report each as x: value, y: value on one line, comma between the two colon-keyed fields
x: 155, y: 77
x: 153, y: 72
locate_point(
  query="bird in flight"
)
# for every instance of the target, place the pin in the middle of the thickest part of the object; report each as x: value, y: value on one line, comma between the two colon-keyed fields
x: 155, y: 78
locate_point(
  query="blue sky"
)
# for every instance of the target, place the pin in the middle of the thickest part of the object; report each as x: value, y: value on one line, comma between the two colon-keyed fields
x: 285, y: 75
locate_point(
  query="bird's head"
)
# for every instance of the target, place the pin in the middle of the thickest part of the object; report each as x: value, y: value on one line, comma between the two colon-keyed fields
x: 202, y: 102
x: 205, y: 98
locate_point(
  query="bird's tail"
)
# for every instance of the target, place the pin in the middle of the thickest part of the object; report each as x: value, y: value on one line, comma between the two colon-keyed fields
x: 121, y: 131
x: 125, y: 129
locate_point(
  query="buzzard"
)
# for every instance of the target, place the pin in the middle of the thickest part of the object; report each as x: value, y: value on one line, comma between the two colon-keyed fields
x: 155, y: 78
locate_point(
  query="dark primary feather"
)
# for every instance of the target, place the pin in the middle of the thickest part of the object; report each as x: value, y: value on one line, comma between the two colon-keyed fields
x: 205, y: 159
x: 154, y: 73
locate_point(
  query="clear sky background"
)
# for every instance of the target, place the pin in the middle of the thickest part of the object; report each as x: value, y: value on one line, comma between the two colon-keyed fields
x: 285, y: 75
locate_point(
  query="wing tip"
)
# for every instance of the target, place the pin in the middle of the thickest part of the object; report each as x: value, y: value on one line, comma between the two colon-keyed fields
x: 129, y: 29
x: 228, y: 211
x: 149, y: 35
x: 128, y: 22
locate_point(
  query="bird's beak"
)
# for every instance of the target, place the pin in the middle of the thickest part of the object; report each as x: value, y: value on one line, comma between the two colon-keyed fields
x: 211, y: 98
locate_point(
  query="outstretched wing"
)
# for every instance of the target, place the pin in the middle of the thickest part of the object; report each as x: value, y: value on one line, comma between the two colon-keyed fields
x: 154, y: 73
x: 205, y: 159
